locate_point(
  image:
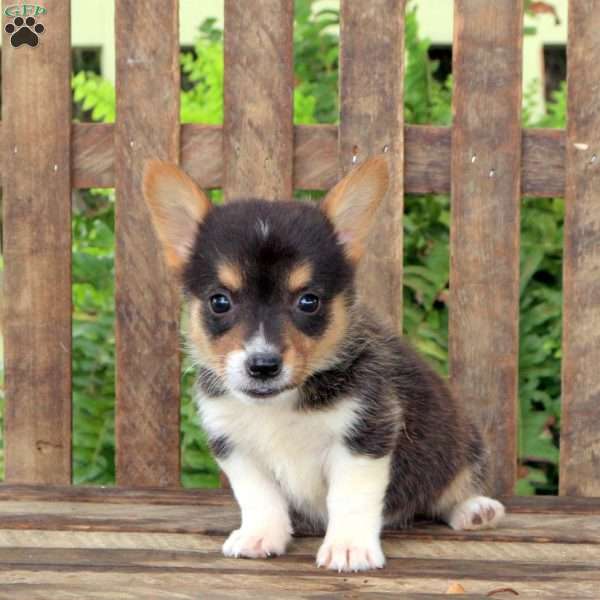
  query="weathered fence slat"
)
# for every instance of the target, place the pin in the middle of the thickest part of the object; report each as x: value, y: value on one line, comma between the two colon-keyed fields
x: 580, y: 441
x: 371, y: 122
x: 36, y: 98
x: 258, y: 99
x: 147, y: 308
x: 484, y: 255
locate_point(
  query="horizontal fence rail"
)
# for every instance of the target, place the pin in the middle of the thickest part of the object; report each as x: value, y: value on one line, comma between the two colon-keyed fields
x: 427, y: 155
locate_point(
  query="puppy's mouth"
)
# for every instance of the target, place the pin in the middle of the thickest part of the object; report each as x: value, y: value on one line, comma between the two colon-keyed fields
x: 265, y: 391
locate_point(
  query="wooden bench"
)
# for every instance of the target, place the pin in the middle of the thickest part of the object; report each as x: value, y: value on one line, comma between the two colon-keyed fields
x: 146, y: 538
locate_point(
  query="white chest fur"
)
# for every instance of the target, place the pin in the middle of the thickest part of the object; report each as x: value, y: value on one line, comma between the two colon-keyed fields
x: 290, y: 446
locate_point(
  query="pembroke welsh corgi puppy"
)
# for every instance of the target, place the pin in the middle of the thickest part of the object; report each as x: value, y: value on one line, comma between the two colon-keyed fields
x: 319, y: 415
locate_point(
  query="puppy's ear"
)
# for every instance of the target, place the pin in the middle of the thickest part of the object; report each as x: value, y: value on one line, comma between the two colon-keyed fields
x: 177, y: 207
x: 351, y: 204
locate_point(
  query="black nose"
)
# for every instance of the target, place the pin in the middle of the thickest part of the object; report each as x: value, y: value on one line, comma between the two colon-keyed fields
x: 263, y: 366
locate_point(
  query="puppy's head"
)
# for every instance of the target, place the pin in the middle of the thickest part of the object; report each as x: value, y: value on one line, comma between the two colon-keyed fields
x: 269, y: 283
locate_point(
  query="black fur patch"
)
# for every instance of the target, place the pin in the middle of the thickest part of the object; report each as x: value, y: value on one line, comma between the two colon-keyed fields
x: 209, y: 383
x: 405, y: 409
x: 220, y: 446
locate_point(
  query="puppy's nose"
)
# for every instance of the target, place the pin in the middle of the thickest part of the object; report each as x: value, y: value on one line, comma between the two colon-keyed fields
x: 264, y: 365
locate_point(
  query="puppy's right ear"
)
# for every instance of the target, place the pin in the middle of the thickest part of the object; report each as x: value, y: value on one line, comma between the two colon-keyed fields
x: 177, y: 207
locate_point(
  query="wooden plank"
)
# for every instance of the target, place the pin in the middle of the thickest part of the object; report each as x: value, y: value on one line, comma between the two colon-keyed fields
x: 169, y: 586
x: 93, y: 155
x: 315, y: 157
x: 204, y: 141
x: 426, y: 158
x: 258, y: 99
x: 116, y: 495
x: 181, y: 561
x: 580, y: 443
x: 62, y: 560
x: 543, y: 166
x: 37, y: 252
x: 190, y: 544
x: 297, y: 574
x: 372, y: 122
x: 207, y: 519
x: 50, y: 584
x: 484, y: 241
x: 552, y: 505
x: 147, y: 307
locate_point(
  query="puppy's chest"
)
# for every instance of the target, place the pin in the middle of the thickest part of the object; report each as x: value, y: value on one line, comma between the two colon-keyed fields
x: 292, y: 446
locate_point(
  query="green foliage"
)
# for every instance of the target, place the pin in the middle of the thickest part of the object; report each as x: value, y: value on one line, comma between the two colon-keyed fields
x: 93, y: 339
x: 426, y: 228
x: 316, y: 55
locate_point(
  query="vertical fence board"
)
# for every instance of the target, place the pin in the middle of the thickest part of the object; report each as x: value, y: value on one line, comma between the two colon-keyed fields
x: 580, y: 441
x: 484, y: 255
x: 258, y: 96
x: 36, y: 109
x: 147, y: 308
x: 371, y: 122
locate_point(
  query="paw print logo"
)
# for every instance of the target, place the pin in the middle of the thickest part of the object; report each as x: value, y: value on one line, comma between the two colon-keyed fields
x: 24, y: 31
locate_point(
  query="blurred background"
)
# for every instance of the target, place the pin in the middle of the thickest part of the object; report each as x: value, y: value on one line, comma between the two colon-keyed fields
x: 428, y: 92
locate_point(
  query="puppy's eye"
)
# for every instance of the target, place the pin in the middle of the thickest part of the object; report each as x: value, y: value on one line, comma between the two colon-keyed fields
x: 220, y: 303
x: 308, y: 303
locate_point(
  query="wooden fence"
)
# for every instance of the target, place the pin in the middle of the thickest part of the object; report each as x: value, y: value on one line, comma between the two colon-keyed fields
x: 485, y: 160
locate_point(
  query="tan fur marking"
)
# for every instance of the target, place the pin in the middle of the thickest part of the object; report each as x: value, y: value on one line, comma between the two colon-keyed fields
x: 230, y: 276
x: 352, y: 203
x: 176, y: 206
x: 212, y: 352
x: 299, y: 277
x: 460, y: 489
x: 305, y: 354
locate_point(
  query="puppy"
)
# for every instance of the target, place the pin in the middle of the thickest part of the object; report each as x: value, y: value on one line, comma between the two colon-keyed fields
x: 318, y: 414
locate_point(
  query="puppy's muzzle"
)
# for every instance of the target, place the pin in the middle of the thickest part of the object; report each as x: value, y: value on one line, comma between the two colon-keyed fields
x: 264, y: 365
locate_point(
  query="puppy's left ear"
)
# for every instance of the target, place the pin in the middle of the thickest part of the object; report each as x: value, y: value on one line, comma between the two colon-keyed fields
x: 352, y: 203
x: 177, y: 207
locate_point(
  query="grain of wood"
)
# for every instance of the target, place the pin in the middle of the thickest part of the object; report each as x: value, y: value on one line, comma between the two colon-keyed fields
x: 147, y: 307
x: 426, y: 158
x: 372, y: 122
x: 579, y: 442
x: 258, y: 99
x: 551, y: 505
x: 484, y: 243
x: 160, y: 561
x: 47, y: 585
x: 179, y: 549
x: 37, y: 253
x: 545, y: 553
x: 116, y: 495
x: 270, y: 582
x: 93, y: 155
x: 170, y: 588
x: 211, y: 519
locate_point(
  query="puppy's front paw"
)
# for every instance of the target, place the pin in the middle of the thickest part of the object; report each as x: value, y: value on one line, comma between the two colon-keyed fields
x: 255, y: 543
x: 346, y: 554
x: 479, y: 512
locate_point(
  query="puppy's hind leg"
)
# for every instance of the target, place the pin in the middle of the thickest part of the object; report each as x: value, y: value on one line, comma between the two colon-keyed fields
x: 477, y: 512
x: 463, y: 507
